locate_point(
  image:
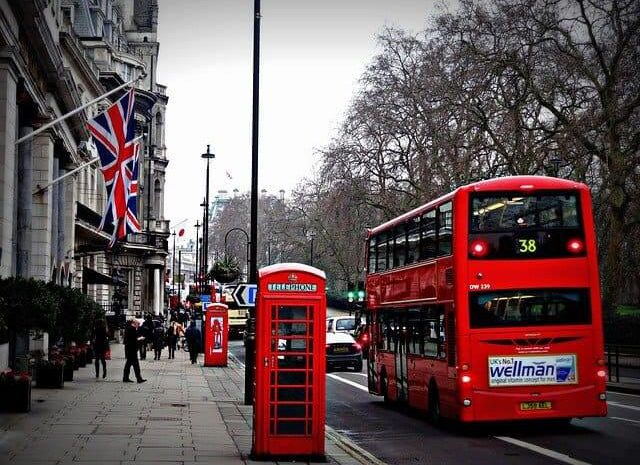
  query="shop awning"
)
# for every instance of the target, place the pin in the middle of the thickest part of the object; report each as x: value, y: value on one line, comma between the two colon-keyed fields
x: 91, y: 276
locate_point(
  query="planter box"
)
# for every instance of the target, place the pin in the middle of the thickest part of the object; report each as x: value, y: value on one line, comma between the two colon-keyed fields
x: 68, y: 368
x: 16, y: 397
x: 89, y: 350
x: 50, y: 376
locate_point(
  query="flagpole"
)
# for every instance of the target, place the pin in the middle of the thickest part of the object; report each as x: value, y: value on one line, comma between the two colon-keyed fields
x: 77, y: 110
x: 84, y: 165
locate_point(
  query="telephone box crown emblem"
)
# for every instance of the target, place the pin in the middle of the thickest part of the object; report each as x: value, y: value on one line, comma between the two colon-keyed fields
x: 292, y: 277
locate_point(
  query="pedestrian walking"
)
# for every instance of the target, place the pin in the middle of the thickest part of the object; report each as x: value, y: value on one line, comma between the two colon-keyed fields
x: 158, y: 341
x: 194, y: 336
x: 131, y: 340
x: 172, y: 338
x: 100, y: 347
x: 145, y: 330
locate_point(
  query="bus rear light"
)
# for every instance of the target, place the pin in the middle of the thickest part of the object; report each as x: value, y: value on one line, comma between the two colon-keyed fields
x: 466, y: 402
x: 479, y: 248
x: 602, y: 373
x: 600, y: 362
x: 464, y: 367
x: 575, y: 246
x: 602, y: 396
x: 466, y: 379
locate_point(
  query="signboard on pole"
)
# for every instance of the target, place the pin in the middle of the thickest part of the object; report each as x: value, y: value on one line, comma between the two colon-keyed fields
x: 245, y: 295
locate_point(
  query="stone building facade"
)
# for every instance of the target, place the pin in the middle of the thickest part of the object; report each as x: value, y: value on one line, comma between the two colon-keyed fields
x: 56, y: 55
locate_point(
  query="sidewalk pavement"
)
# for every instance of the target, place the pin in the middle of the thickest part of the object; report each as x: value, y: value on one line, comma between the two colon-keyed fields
x: 625, y: 384
x: 184, y: 414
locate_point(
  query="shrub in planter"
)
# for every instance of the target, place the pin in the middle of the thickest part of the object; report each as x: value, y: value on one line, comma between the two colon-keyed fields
x: 226, y: 269
x: 15, y: 391
x: 89, y: 351
x: 50, y: 373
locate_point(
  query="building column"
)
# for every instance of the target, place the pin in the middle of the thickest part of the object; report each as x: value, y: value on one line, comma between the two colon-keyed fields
x: 25, y: 204
x: 55, y: 210
x: 68, y: 218
x: 8, y: 123
x: 157, y: 302
x: 42, y: 207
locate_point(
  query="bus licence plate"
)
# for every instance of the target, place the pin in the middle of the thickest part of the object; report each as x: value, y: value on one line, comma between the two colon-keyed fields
x: 542, y: 405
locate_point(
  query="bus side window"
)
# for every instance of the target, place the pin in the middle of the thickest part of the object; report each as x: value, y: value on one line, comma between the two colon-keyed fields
x: 372, y: 254
x: 428, y: 236
x: 445, y: 229
x: 400, y: 245
x: 442, y: 348
x: 413, y: 241
x: 432, y: 338
x: 381, y: 255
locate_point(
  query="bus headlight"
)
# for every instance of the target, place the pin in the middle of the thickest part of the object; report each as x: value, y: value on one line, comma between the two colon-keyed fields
x: 466, y: 402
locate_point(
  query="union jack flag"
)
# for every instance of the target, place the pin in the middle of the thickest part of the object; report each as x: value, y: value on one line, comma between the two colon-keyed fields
x: 113, y: 132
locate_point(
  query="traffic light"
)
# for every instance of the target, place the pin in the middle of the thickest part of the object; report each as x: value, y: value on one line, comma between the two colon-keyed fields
x: 350, y: 296
x: 361, y: 295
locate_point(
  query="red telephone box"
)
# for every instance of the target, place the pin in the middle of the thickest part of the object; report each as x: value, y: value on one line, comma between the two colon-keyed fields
x: 216, y: 335
x: 289, y: 396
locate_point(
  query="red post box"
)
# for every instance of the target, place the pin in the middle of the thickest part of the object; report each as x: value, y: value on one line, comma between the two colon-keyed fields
x: 289, y: 396
x: 216, y: 335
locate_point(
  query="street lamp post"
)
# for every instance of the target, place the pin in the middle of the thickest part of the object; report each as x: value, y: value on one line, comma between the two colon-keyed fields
x: 205, y: 231
x: 173, y: 266
x: 204, y: 219
x: 253, y: 270
x: 179, y: 275
x: 195, y: 278
x: 312, y: 235
x: 245, y: 235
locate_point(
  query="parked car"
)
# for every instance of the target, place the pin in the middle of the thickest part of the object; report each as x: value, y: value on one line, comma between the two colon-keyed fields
x: 362, y: 337
x: 343, y: 352
x: 341, y: 324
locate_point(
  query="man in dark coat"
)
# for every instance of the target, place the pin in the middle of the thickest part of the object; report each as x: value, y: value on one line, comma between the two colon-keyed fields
x: 193, y: 336
x: 131, y: 352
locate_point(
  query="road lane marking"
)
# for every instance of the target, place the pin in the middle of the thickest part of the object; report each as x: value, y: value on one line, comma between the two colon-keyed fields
x: 635, y: 422
x: 618, y: 404
x: 349, y: 382
x: 625, y: 419
x: 542, y: 450
x: 615, y: 393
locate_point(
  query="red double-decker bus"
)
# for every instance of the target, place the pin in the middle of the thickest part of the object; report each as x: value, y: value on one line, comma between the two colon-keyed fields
x: 484, y: 304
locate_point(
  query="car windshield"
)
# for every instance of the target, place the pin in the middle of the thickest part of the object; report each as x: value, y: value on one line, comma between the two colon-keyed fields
x: 345, y: 324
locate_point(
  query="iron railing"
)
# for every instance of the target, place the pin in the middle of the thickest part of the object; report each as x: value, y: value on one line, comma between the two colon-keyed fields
x: 623, y: 361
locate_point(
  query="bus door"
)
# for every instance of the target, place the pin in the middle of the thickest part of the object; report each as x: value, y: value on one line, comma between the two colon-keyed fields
x: 402, y: 384
x: 374, y: 335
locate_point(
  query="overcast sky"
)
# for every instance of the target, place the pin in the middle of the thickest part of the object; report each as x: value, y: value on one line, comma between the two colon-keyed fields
x: 312, y: 54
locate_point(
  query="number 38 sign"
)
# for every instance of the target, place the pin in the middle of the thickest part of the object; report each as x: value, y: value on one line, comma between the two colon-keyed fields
x: 527, y: 246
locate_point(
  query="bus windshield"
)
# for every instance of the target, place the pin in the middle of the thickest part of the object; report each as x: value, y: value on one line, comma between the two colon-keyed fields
x: 529, y: 308
x: 517, y: 226
x: 504, y: 212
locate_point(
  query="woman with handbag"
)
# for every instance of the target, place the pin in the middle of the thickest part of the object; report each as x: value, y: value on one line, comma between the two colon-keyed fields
x: 101, y: 347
